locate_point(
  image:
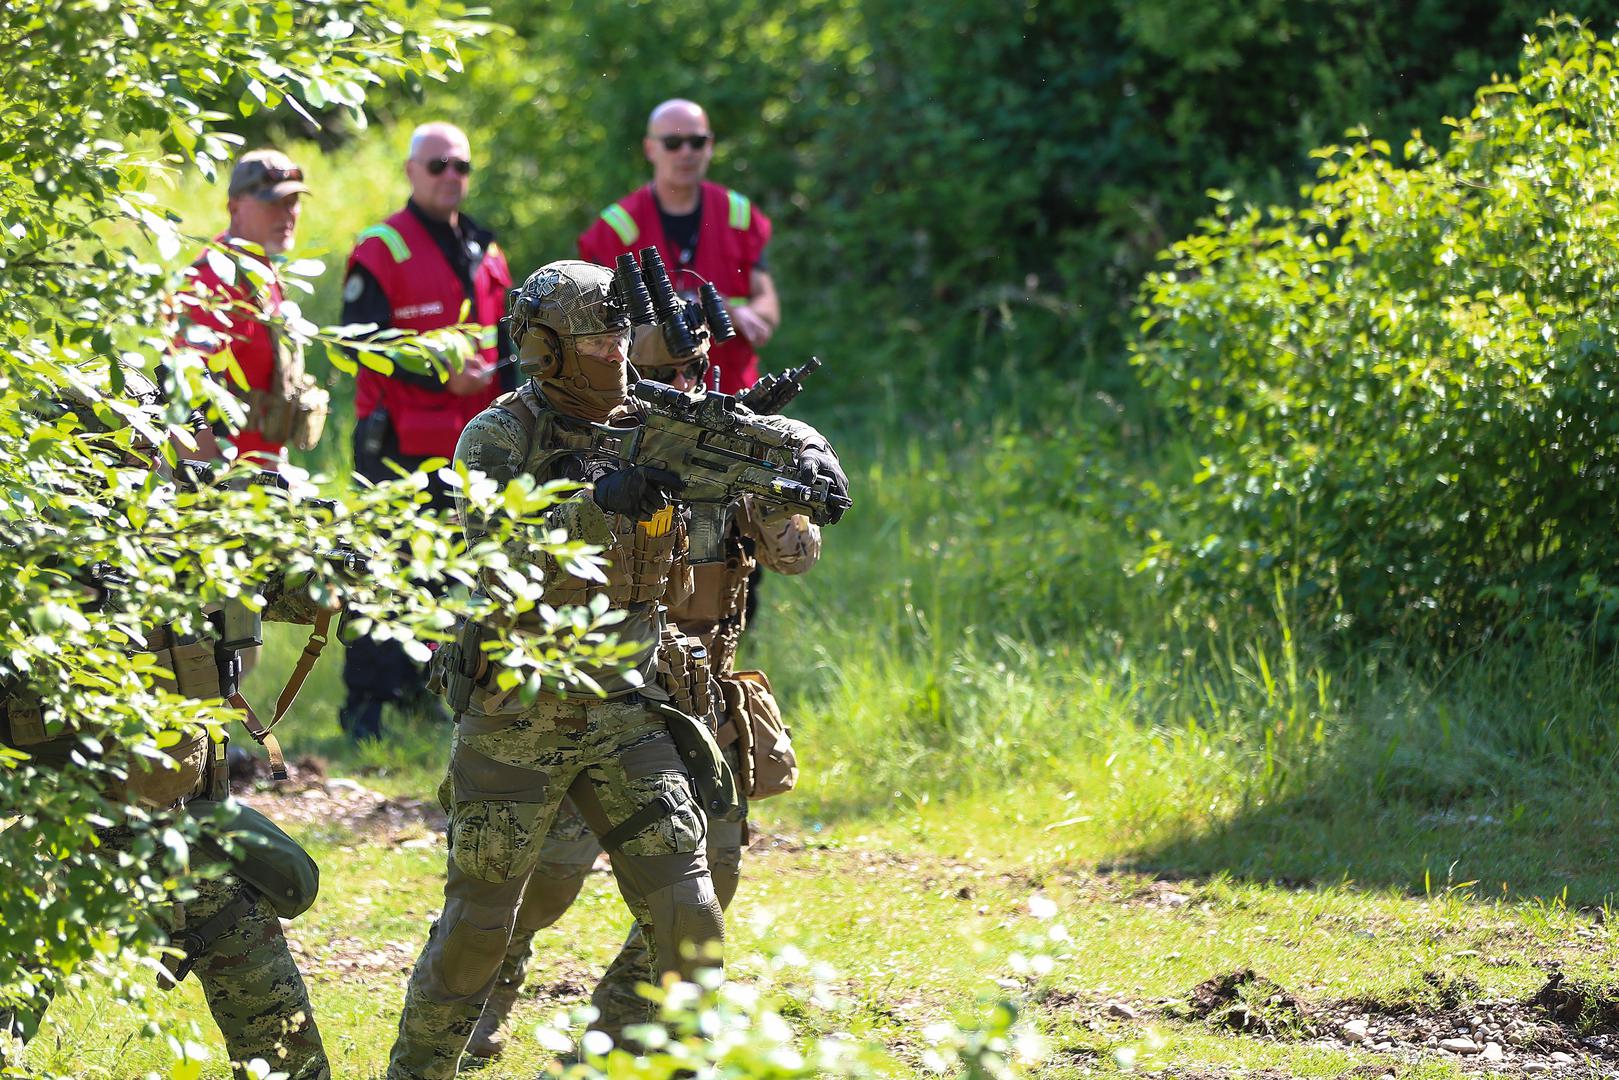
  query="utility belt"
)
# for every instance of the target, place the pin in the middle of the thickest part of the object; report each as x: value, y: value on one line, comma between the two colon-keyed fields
x: 460, y: 666
x: 201, y: 671
x: 296, y: 419
x: 197, y: 766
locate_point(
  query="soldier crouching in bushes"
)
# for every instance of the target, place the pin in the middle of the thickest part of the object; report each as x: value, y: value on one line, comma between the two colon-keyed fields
x: 229, y: 933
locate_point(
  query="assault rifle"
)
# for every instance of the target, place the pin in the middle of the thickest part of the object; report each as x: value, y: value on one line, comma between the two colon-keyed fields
x: 771, y: 394
x: 722, y: 453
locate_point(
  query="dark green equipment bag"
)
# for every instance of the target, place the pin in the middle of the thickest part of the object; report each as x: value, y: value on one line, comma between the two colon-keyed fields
x: 264, y: 857
x: 711, y: 774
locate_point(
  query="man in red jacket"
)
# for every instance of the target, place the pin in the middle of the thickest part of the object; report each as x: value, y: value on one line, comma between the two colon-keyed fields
x: 417, y: 271
x: 264, y: 193
x: 704, y: 231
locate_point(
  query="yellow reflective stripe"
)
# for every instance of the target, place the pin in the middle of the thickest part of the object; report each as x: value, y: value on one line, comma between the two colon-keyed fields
x: 619, y: 218
x: 738, y: 301
x: 741, y: 210
x: 488, y: 337
x: 390, y: 236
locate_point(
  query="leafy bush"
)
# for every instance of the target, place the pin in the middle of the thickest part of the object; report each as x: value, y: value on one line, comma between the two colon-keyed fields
x: 100, y: 542
x: 1405, y: 389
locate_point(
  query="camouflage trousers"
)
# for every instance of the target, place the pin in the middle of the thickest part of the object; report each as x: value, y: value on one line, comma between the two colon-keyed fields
x: 508, y: 777
x: 253, y: 987
x: 566, y: 857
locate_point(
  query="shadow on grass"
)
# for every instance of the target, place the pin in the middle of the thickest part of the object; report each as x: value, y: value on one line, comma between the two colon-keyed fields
x: 1554, y: 845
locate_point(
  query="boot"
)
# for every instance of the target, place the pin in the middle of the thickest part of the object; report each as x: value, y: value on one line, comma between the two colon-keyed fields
x: 487, y: 1041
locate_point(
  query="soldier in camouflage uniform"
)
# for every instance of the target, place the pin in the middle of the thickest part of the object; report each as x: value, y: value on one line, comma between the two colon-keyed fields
x: 230, y: 934
x: 512, y: 764
x: 715, y: 614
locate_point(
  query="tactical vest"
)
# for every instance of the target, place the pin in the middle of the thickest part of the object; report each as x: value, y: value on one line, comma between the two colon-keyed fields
x: 425, y: 294
x: 715, y: 611
x: 641, y: 554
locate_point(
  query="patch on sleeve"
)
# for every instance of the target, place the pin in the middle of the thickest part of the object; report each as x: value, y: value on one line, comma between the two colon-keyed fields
x: 352, y: 288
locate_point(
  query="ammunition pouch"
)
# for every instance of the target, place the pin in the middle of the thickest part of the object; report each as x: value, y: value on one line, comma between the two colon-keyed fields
x: 764, y: 743
x: 272, y: 863
x: 711, y: 774
x: 682, y: 672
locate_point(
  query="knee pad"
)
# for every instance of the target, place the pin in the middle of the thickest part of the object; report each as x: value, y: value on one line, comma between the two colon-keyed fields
x: 687, y: 926
x: 471, y: 948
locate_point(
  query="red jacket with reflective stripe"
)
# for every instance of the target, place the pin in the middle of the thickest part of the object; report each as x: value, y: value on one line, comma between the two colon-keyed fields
x: 247, y: 339
x: 425, y: 294
x: 732, y: 236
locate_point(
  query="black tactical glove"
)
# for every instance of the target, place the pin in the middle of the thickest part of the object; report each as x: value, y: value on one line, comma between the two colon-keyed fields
x: 817, y: 461
x: 637, y: 492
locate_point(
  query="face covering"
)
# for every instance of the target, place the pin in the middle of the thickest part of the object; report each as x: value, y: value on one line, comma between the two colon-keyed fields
x: 587, y: 387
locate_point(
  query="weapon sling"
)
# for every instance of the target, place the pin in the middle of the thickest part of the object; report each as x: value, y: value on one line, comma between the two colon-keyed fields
x: 289, y: 693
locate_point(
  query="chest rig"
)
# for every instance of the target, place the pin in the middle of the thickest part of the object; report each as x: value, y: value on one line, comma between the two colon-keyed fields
x: 641, y: 554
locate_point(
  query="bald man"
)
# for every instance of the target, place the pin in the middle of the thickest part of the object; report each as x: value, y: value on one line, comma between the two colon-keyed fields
x: 416, y: 272
x: 704, y: 231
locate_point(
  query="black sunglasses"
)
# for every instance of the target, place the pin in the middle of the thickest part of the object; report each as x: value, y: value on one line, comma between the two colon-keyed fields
x: 438, y: 165
x: 693, y: 370
x: 277, y: 176
x: 672, y: 142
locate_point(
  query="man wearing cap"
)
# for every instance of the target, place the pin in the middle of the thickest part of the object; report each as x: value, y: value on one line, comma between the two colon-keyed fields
x: 704, y: 231
x: 418, y: 271
x: 236, y: 324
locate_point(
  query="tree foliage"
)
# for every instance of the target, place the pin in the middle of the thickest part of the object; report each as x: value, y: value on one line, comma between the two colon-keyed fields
x: 970, y: 163
x: 1405, y: 388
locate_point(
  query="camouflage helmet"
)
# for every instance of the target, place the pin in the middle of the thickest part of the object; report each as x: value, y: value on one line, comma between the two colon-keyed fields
x: 562, y: 300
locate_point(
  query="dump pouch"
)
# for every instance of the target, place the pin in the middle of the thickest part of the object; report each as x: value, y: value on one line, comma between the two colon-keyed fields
x: 711, y: 774
x: 753, y: 720
x: 265, y: 857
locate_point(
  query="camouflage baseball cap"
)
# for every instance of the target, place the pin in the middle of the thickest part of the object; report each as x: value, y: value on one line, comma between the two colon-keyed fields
x: 267, y: 175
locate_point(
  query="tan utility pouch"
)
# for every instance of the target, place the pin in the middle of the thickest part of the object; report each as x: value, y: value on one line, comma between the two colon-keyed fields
x: 296, y: 419
x: 293, y: 410
x: 26, y: 720
x: 765, y: 744
x: 155, y: 785
x: 189, y: 670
